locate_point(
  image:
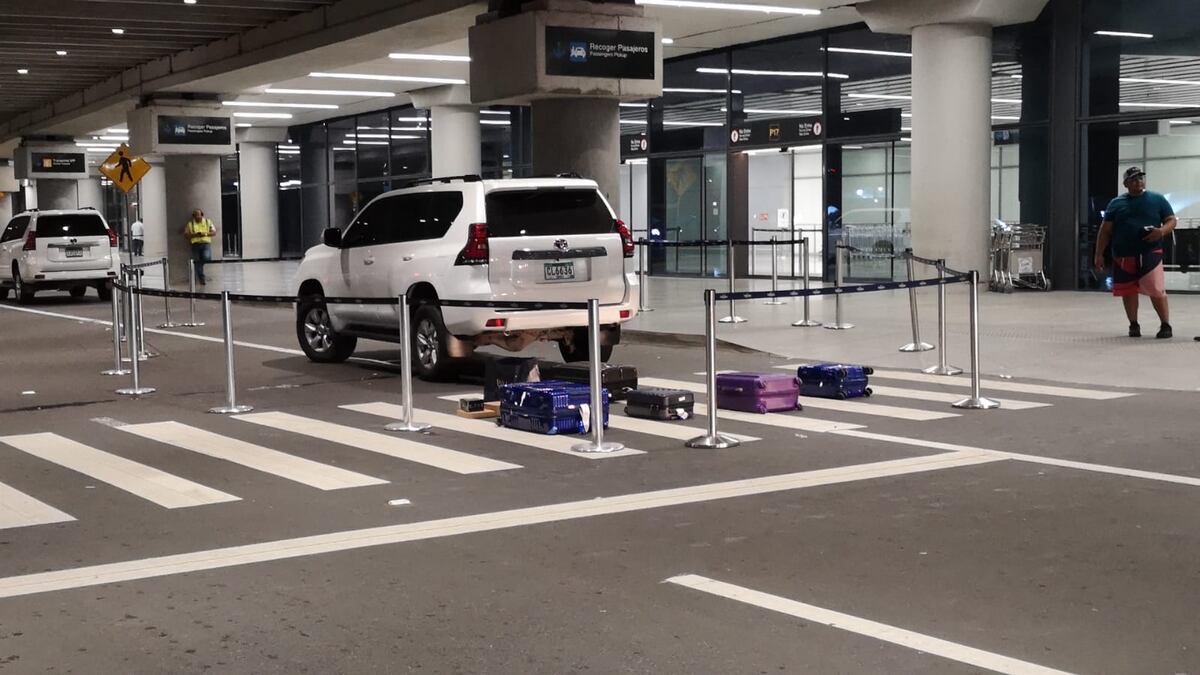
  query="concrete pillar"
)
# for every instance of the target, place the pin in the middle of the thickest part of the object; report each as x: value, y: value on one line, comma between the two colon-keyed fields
x: 90, y: 194
x: 951, y: 147
x: 8, y: 189
x: 579, y: 135
x: 259, y: 196
x: 192, y: 182
x: 152, y: 208
x: 56, y: 194
x: 455, y: 140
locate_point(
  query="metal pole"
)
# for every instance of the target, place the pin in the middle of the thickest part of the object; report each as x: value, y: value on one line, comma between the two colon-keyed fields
x: 642, y: 305
x: 597, y: 444
x: 733, y: 317
x: 231, y: 406
x: 407, y: 424
x: 144, y: 353
x: 137, y: 389
x: 942, y: 368
x: 975, y: 401
x: 806, y: 322
x: 191, y: 322
x: 712, y: 439
x: 916, y: 345
x: 167, y: 322
x: 117, y: 368
x: 839, y: 265
x: 774, y: 275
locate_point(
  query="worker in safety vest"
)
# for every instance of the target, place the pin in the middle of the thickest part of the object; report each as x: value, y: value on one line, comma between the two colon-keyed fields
x: 199, y: 232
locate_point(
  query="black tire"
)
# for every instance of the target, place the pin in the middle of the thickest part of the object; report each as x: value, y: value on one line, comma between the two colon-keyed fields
x: 579, y: 349
x: 431, y: 359
x: 77, y: 291
x: 104, y: 290
x: 3, y: 292
x: 23, y: 291
x: 315, y: 333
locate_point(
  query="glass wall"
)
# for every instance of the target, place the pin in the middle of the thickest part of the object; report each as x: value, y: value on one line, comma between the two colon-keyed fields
x: 231, y: 211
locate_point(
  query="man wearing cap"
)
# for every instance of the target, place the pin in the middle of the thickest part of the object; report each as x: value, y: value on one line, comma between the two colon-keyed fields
x: 1135, y: 223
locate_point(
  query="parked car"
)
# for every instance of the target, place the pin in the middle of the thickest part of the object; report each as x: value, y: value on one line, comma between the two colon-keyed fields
x: 64, y: 249
x: 463, y: 238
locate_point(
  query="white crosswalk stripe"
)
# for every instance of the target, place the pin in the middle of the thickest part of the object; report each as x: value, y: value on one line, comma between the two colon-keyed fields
x: 860, y: 407
x: 933, y: 396
x: 140, y: 480
x: 298, y: 469
x: 799, y: 422
x: 384, y: 444
x: 18, y: 509
x: 1003, y: 385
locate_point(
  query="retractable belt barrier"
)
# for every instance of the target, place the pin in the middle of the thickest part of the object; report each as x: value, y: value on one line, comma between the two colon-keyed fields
x: 844, y: 290
x: 718, y: 242
x: 292, y: 299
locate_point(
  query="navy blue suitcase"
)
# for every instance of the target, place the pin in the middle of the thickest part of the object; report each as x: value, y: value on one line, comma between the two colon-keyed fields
x: 549, y: 407
x: 834, y: 380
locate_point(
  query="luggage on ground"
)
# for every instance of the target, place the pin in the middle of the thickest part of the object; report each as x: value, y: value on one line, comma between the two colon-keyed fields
x: 660, y: 404
x: 549, y: 407
x: 507, y: 370
x: 834, y: 380
x: 758, y: 392
x: 618, y: 380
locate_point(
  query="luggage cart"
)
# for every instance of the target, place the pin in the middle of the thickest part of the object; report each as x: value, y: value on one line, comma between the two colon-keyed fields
x: 1017, y: 254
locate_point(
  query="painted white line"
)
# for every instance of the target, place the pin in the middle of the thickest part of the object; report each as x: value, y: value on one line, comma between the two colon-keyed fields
x: 82, y: 577
x: 162, y: 488
x: 18, y: 509
x: 950, y: 397
x: 298, y: 469
x: 800, y: 422
x: 862, y: 407
x: 393, y: 446
x: 866, y: 627
x: 489, y: 429
x: 1002, y: 385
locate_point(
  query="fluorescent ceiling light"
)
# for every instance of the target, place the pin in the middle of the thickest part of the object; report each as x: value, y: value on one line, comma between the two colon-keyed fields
x: 772, y: 111
x: 1148, y: 80
x: 1118, y: 33
x: 693, y: 90
x: 852, y: 147
x: 288, y: 147
x: 117, y: 131
x: 1017, y: 77
x: 407, y: 119
x: 906, y: 140
x: 886, y: 97
x: 265, y: 116
x: 343, y: 149
x: 1158, y: 105
x: 1180, y: 121
x: 503, y: 123
x: 668, y: 41
x: 114, y: 138
x: 429, y: 57
x: 693, y: 124
x: 91, y: 144
x: 734, y: 6
x: 389, y: 78
x: 330, y: 92
x: 1005, y: 117
x: 253, y: 104
x: 873, y: 52
x: 633, y: 105
x: 398, y: 137
x: 243, y: 125
x: 779, y: 73
x: 909, y: 115
x: 1016, y: 101
x: 22, y: 71
x: 494, y: 112
x: 118, y: 31
x: 288, y: 152
x: 634, y: 122
x: 100, y: 149
x: 61, y: 52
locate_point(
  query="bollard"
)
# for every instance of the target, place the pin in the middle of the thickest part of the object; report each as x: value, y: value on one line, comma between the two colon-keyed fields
x: 231, y: 405
x: 733, y: 317
x: 597, y: 444
x: 191, y: 322
x: 137, y: 389
x: 642, y: 274
x: 117, y: 368
x: 774, y: 276
x: 839, y: 265
x: 407, y: 424
x: 712, y: 439
x: 942, y: 368
x: 916, y: 345
x: 143, y: 353
x: 806, y: 322
x: 166, y: 271
x: 975, y: 401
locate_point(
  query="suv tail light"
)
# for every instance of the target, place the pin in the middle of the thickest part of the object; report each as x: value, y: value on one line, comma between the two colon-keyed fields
x: 112, y: 237
x: 476, y: 251
x: 626, y: 238
x: 30, y: 241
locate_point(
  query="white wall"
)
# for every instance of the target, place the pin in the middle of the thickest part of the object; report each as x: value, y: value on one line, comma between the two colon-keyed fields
x: 258, y: 193
x: 90, y: 194
x: 152, y: 196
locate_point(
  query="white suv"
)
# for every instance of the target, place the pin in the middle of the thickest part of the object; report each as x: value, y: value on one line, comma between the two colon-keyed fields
x: 69, y: 250
x: 463, y: 238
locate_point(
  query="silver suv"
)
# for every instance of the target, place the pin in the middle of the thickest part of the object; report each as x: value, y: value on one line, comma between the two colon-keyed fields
x: 68, y: 250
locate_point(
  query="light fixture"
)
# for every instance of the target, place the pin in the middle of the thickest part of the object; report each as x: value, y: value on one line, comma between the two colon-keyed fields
x: 733, y: 6
x: 852, y: 147
x: 1015, y: 101
x: 1118, y: 33
x: 886, y: 97
x: 343, y: 149
x: 90, y: 144
x: 1017, y: 77
x: 264, y: 116
x: 288, y: 147
x: 693, y: 124
x: 632, y: 105
x: 1149, y: 80
x: 189, y: 2
x: 61, y: 52
x: 22, y: 71
x: 430, y: 57
x: 407, y: 119
x: 494, y: 112
x: 777, y: 73
x: 389, y: 78
x: 96, y: 148
x: 634, y: 122
x: 1006, y: 117
x: 116, y: 130
x: 243, y: 125
x: 1179, y: 121
x: 114, y: 138
x: 1158, y: 105
x: 873, y: 52
x: 906, y: 140
x: 668, y: 41
x: 118, y: 31
x: 288, y: 152
x: 694, y: 90
x: 773, y: 111
x: 253, y: 104
x: 503, y: 123
x: 330, y: 92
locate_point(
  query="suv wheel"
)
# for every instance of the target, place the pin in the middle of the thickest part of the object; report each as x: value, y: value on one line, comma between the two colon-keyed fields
x: 77, y: 291
x: 22, y: 291
x: 578, y: 350
x: 320, y: 342
x: 430, y: 358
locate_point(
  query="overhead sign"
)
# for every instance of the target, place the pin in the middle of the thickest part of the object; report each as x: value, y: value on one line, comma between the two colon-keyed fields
x: 780, y: 131
x: 600, y: 52
x: 177, y: 130
x: 123, y: 169
x: 57, y: 162
x: 635, y: 145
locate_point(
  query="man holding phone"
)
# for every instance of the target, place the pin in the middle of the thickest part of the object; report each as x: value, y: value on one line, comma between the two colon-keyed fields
x: 1135, y: 224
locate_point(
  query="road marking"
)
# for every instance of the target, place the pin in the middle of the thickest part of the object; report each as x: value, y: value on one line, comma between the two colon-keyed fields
x: 1001, y: 385
x: 489, y: 429
x: 18, y: 509
x: 393, y: 446
x: 950, y: 397
x: 873, y: 629
x: 162, y: 488
x: 298, y: 469
x: 783, y: 420
x: 81, y: 577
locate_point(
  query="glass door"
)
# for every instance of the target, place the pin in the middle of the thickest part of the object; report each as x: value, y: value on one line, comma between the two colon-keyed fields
x: 875, y: 215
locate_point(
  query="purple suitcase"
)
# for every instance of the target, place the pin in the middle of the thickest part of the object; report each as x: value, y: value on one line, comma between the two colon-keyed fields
x: 758, y: 392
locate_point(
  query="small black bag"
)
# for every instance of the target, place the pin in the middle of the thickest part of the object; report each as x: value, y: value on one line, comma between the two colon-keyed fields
x: 660, y: 404
x: 507, y: 370
x: 618, y: 380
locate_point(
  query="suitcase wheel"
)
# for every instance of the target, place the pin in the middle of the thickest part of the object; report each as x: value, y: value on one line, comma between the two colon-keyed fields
x: 867, y: 392
x: 868, y: 370
x: 841, y: 395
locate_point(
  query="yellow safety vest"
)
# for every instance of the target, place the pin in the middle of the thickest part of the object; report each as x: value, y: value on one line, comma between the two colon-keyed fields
x: 201, y: 232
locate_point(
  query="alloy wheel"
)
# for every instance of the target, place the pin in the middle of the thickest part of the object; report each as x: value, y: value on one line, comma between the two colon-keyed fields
x: 427, y: 344
x: 318, y: 331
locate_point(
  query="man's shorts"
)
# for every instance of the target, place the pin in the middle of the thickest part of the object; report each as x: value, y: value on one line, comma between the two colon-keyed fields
x: 1139, y: 274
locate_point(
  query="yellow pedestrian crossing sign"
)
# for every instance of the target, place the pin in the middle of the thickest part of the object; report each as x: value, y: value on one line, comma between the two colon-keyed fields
x: 123, y: 169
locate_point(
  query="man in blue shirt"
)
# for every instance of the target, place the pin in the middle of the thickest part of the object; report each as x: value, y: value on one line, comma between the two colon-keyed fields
x: 1135, y: 223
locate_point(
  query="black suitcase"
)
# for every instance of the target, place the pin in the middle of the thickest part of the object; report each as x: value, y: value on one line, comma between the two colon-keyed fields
x: 618, y: 380
x: 660, y: 404
x: 507, y: 370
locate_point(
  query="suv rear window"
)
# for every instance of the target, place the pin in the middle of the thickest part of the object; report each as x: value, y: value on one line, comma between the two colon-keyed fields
x: 71, y: 225
x: 547, y: 212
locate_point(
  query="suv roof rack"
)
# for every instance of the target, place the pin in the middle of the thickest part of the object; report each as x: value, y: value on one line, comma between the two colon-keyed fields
x: 466, y: 178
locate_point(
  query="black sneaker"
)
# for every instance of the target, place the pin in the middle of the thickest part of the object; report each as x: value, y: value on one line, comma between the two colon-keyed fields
x: 1135, y: 330
x: 1164, y: 332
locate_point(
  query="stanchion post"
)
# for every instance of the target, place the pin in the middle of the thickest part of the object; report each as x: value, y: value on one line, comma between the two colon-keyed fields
x: 231, y: 406
x: 137, y: 389
x: 406, y: 376
x: 142, y: 352
x: 916, y: 345
x: 839, y: 267
x: 975, y: 401
x: 774, y: 275
x: 733, y: 317
x: 712, y: 439
x: 166, y: 272
x: 807, y: 321
x: 191, y: 322
x: 597, y: 444
x: 117, y: 368
x: 643, y: 267
x: 942, y: 368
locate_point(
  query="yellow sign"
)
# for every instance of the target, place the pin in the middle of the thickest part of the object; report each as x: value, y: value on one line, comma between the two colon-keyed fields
x: 123, y: 169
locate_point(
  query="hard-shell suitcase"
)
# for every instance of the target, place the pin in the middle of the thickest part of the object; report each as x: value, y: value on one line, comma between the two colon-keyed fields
x: 618, y: 380
x: 834, y: 380
x: 507, y: 370
x: 758, y: 392
x: 660, y: 404
x: 549, y: 407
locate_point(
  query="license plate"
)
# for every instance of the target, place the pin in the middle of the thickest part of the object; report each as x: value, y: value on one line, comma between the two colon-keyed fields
x: 559, y: 271
x: 74, y: 252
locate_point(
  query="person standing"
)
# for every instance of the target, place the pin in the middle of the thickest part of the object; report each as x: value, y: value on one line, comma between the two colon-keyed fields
x: 199, y: 232
x: 1135, y: 224
x: 137, y: 236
